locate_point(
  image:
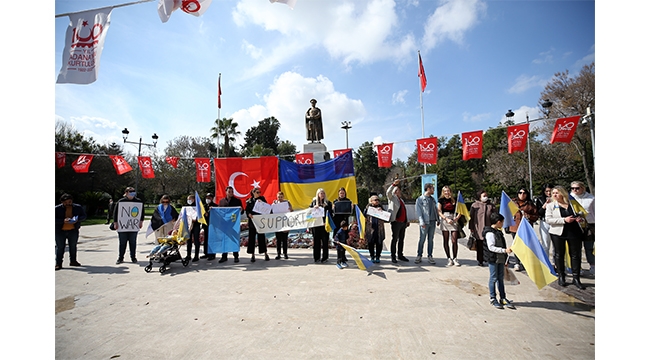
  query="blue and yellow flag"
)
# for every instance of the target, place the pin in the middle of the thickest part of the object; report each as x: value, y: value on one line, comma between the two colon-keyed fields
x: 362, y: 262
x: 361, y: 222
x: 329, y: 224
x: 183, y: 227
x: 461, y: 208
x: 299, y: 182
x: 507, y: 208
x: 224, y: 230
x: 529, y: 250
x: 200, y: 211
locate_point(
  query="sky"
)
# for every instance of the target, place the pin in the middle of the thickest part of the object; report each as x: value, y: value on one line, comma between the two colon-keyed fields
x: 358, y: 59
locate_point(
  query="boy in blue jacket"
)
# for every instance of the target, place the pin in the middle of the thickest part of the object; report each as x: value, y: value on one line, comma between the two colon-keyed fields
x: 341, y: 237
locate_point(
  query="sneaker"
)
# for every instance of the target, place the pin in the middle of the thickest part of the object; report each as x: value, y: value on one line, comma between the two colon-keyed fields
x: 450, y: 262
x: 135, y: 261
x: 344, y: 264
x: 195, y: 259
x: 402, y: 258
x: 377, y: 260
x: 74, y: 263
x: 517, y: 267
x: 119, y: 261
x: 394, y: 260
x: 431, y: 261
x: 418, y: 259
x: 316, y: 261
x: 236, y: 259
x: 323, y: 261
x: 339, y: 266
x: 224, y: 259
x: 266, y: 257
x: 253, y: 258
x: 286, y: 256
x: 456, y: 262
x: 278, y: 257
x: 496, y: 304
x: 507, y: 303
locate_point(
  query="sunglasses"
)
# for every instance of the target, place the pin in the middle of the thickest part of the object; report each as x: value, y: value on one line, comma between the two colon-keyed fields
x: 165, y: 202
x: 575, y: 188
x: 522, y: 192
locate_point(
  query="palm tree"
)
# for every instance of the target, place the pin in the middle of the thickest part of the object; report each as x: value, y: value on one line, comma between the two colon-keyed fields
x: 225, y: 129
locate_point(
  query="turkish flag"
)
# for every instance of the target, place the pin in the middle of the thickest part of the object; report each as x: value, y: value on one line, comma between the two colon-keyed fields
x: 246, y: 174
x: 427, y: 150
x: 82, y: 163
x: 120, y: 165
x: 172, y: 160
x: 202, y: 169
x: 472, y: 145
x: 145, y: 167
x: 564, y: 129
x: 305, y: 158
x: 219, y: 92
x: 385, y: 155
x: 60, y: 159
x: 337, y: 153
x: 517, y: 137
x: 423, y: 78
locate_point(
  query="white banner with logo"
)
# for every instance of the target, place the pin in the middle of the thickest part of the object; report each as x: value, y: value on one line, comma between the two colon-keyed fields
x: 295, y: 220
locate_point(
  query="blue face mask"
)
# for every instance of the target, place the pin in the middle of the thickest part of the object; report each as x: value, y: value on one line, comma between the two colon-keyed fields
x: 132, y: 194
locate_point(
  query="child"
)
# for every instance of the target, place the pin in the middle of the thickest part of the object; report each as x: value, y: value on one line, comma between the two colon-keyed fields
x: 496, y: 251
x: 341, y: 237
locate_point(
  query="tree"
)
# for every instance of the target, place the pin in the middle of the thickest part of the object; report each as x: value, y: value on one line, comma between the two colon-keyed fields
x: 367, y: 170
x: 226, y: 130
x: 287, y: 150
x: 264, y: 134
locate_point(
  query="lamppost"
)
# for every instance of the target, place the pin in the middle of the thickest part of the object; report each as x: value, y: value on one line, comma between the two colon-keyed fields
x: 589, y: 119
x: 347, y: 126
x: 125, y: 134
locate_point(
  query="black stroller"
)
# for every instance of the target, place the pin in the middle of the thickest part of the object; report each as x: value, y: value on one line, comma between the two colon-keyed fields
x: 166, y: 252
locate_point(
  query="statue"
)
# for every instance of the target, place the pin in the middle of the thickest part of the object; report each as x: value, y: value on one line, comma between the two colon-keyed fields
x: 314, y: 123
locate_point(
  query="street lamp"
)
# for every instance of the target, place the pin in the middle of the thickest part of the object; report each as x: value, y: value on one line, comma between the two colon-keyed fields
x: 347, y: 126
x: 125, y: 135
x: 547, y: 107
x: 589, y: 118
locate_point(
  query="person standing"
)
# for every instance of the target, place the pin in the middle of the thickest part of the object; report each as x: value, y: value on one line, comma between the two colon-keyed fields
x: 398, y: 222
x: 230, y: 201
x: 587, y: 201
x: 209, y: 203
x: 127, y: 237
x: 195, y: 232
x: 527, y: 211
x: 338, y: 215
x: 319, y: 234
x: 282, y: 237
x: 109, y: 212
x: 479, y: 215
x: 449, y: 225
x: 256, y: 195
x: 496, y: 253
x: 67, y: 218
x: 341, y: 237
x: 541, y: 202
x: 374, y: 230
x: 425, y: 208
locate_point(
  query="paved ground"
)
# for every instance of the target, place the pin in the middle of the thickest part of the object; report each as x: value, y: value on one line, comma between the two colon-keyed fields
x: 296, y: 309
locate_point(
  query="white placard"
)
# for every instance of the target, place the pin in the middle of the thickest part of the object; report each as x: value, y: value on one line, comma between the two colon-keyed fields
x: 378, y: 213
x: 261, y: 207
x: 317, y: 211
x: 280, y: 207
x: 128, y: 216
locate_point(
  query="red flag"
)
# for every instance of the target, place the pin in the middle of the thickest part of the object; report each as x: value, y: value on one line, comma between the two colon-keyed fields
x: 305, y: 158
x: 120, y: 165
x: 219, y: 93
x: 245, y: 174
x: 82, y: 163
x: 421, y: 75
x: 145, y: 167
x: 385, y: 155
x: 517, y: 137
x: 338, y: 153
x: 427, y: 150
x: 60, y: 159
x: 202, y: 169
x: 473, y: 145
x: 172, y: 160
x: 564, y: 129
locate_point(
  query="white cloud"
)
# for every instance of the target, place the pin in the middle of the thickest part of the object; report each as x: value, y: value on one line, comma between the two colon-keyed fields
x: 252, y: 50
x: 544, y: 57
x: 398, y: 97
x: 451, y: 20
x: 467, y: 117
x: 525, y: 82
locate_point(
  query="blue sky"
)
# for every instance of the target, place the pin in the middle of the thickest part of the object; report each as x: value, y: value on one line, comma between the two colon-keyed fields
x: 357, y: 58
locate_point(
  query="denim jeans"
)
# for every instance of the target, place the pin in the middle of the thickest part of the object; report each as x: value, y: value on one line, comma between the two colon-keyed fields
x: 496, y: 275
x: 60, y: 238
x: 427, y: 233
x: 131, y: 238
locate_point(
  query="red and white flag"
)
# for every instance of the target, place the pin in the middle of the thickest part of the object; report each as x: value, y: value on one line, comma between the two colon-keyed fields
x: 145, y: 167
x: 219, y: 92
x: 193, y: 7
x: 472, y: 145
x: 427, y: 150
x: 246, y: 174
x: 84, y: 42
x: 385, y: 155
x: 517, y: 137
x: 82, y: 164
x: 564, y: 129
x: 120, y: 165
x: 202, y: 169
x: 305, y: 158
x: 421, y: 75
x: 60, y: 159
x: 172, y: 160
x: 338, y: 153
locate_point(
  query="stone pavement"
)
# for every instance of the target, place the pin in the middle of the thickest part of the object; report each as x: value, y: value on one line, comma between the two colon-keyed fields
x: 297, y: 309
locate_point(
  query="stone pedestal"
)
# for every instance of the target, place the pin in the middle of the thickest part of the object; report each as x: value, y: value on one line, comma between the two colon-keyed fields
x: 318, y: 149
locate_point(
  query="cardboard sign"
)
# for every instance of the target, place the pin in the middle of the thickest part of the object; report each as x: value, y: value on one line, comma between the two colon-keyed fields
x: 378, y: 213
x: 128, y: 216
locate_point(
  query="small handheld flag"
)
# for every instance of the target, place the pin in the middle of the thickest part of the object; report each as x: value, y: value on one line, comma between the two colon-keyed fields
x: 529, y: 250
x: 362, y: 262
x: 507, y: 209
x: 200, y: 211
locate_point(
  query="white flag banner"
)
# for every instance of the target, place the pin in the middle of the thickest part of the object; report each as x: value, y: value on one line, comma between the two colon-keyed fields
x: 84, y: 41
x: 290, y: 3
x: 194, y: 7
x: 295, y: 220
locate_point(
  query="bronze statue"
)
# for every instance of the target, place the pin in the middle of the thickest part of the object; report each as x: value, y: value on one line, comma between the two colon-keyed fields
x: 314, y: 123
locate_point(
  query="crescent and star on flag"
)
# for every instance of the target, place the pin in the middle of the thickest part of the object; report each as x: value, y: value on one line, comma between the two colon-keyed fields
x: 231, y: 182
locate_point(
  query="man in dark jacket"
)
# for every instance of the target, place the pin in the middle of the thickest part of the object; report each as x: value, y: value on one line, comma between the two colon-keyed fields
x: 209, y: 203
x: 68, y: 218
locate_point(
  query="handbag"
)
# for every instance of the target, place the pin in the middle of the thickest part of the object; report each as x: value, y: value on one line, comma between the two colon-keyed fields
x: 471, y: 243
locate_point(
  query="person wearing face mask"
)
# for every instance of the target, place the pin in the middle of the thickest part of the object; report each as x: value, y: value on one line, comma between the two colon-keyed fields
x: 195, y: 233
x: 209, y: 203
x: 256, y: 195
x: 127, y: 237
x: 163, y: 218
x: 479, y: 215
x: 67, y: 218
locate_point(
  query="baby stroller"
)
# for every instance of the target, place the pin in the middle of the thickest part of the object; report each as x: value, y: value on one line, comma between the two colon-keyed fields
x: 166, y: 252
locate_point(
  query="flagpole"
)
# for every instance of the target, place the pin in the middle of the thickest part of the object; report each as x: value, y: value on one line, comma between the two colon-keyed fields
x: 218, y: 110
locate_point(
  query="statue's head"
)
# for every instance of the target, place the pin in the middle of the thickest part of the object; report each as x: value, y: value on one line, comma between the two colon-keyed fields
x: 313, y: 101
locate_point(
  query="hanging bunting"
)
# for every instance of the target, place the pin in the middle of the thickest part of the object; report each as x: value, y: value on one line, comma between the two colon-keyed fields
x: 145, y: 167
x: 517, y: 137
x: 60, y: 159
x: 427, y: 150
x: 172, y: 160
x: 202, y: 169
x: 305, y: 158
x: 472, y: 145
x: 564, y: 129
x: 385, y: 155
x: 82, y: 164
x: 120, y: 165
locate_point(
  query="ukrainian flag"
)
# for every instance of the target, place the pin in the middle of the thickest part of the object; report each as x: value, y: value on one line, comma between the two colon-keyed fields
x: 361, y: 222
x: 299, y: 182
x: 507, y: 208
x: 529, y: 250
x: 461, y: 208
x: 183, y: 227
x: 329, y: 224
x: 200, y: 210
x: 362, y: 262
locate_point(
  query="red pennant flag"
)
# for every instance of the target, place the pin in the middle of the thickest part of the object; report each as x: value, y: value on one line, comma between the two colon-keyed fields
x: 245, y: 174
x: 564, y: 129
x: 305, y: 158
x: 60, y: 159
x: 202, y: 169
x: 338, y: 153
x: 82, y: 163
x: 428, y: 150
x: 172, y: 160
x: 385, y: 155
x: 219, y: 93
x: 421, y: 75
x: 145, y: 167
x: 472, y: 145
x: 517, y: 137
x: 120, y: 165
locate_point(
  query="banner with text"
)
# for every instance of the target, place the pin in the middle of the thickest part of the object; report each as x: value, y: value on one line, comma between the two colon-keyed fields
x: 295, y: 220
